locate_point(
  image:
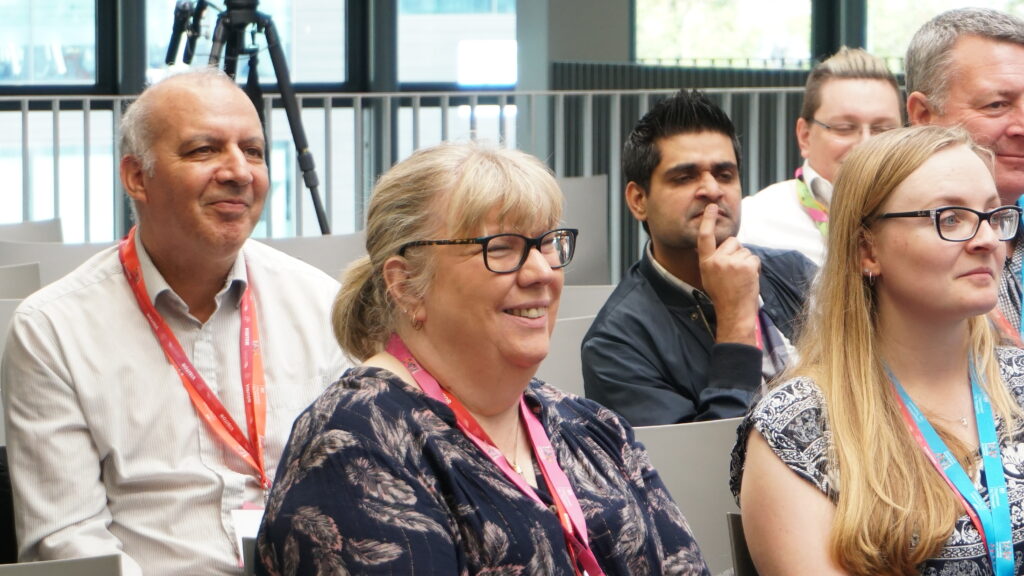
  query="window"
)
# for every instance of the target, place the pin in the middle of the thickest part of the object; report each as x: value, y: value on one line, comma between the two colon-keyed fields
x: 318, y: 59
x: 48, y: 42
x: 891, y: 24
x: 724, y: 33
x: 464, y: 42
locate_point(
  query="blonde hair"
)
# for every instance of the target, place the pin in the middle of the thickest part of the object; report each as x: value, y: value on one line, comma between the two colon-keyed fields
x: 893, y: 510
x: 846, y: 64
x: 450, y: 189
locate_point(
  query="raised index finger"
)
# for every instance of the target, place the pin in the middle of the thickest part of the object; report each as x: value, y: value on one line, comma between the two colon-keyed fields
x: 706, y: 242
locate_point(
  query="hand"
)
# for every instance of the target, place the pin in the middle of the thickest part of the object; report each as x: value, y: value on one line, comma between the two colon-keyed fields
x: 730, y: 274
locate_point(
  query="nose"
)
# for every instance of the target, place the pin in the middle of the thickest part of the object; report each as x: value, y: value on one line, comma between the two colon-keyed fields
x: 863, y: 134
x: 537, y: 270
x: 1015, y: 126
x: 709, y: 187
x: 985, y: 240
x: 235, y: 168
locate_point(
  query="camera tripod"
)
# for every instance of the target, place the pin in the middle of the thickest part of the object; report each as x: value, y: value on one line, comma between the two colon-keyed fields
x: 229, y: 36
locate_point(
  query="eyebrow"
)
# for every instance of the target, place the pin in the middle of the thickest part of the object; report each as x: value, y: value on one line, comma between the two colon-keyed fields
x: 210, y: 138
x: 690, y: 167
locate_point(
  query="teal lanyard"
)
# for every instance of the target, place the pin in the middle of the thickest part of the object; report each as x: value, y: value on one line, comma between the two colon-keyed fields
x: 1020, y: 327
x: 993, y: 519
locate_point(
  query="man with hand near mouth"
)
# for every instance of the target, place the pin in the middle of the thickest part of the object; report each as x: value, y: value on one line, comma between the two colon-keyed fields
x: 701, y: 321
x: 149, y: 393
x: 965, y: 67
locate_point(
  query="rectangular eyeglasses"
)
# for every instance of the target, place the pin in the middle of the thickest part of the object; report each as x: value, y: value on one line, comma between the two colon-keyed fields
x: 506, y: 253
x: 960, y: 224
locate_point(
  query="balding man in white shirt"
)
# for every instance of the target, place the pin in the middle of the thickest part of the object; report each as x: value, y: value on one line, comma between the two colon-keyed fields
x: 149, y: 393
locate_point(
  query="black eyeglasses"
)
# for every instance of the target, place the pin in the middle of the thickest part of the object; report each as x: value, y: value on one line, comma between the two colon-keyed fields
x: 506, y: 253
x: 849, y: 129
x: 960, y: 224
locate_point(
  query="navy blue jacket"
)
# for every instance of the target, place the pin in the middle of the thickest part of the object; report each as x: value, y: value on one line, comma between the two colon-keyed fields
x: 650, y: 356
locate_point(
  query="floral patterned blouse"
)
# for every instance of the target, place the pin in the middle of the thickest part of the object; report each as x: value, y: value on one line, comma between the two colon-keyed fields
x: 792, y: 419
x: 377, y: 479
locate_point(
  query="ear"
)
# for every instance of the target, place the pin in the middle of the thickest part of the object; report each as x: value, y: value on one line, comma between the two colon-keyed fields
x: 803, y: 137
x: 396, y: 279
x: 133, y: 178
x: 919, y: 109
x: 869, y: 263
x: 636, y: 199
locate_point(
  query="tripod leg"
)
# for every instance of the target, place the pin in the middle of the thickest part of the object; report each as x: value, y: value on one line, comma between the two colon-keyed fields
x: 217, y: 43
x: 291, y: 108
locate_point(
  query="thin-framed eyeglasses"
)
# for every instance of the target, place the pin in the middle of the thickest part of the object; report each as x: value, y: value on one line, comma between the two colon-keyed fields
x: 849, y: 129
x: 960, y: 224
x: 506, y: 253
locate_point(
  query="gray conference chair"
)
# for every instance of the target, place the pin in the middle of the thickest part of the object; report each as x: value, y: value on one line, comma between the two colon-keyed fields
x: 562, y: 368
x: 19, y: 280
x: 583, y: 300
x: 332, y: 253
x: 55, y: 259
x: 693, y: 461
x: 33, y: 231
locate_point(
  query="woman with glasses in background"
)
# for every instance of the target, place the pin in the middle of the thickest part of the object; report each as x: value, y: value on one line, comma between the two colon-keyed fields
x: 896, y: 445
x: 441, y: 454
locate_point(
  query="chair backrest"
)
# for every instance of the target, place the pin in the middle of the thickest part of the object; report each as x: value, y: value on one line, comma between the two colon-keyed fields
x: 19, y: 280
x: 583, y: 300
x: 7, y: 308
x: 693, y: 462
x: 332, y: 253
x: 55, y: 259
x: 33, y: 231
x: 586, y: 208
x: 95, y: 566
x: 562, y: 368
x: 741, y: 561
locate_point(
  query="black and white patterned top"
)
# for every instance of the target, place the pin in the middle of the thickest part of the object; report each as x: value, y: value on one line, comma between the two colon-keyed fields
x: 378, y: 479
x: 792, y: 419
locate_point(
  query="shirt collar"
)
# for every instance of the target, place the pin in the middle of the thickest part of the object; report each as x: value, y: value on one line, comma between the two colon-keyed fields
x: 819, y: 186
x: 664, y: 273
x: 157, y: 285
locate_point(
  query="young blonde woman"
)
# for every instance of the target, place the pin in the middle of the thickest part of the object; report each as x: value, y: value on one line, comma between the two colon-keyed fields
x: 896, y: 445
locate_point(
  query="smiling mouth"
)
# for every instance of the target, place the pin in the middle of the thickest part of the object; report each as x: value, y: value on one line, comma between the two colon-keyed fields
x: 531, y: 313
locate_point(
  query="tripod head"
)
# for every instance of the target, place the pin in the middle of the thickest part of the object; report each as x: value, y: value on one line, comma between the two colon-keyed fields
x: 229, y: 36
x: 188, y: 19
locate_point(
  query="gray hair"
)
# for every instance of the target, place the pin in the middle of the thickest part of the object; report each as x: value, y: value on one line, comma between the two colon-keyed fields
x: 929, y: 54
x: 136, y: 129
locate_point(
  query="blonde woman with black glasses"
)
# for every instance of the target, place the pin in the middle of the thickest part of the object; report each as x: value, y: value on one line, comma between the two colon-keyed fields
x: 442, y: 454
x: 895, y: 445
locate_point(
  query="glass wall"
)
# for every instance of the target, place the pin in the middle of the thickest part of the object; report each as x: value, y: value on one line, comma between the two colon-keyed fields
x: 892, y: 23
x: 463, y: 42
x: 47, y: 42
x: 319, y: 58
x: 724, y: 33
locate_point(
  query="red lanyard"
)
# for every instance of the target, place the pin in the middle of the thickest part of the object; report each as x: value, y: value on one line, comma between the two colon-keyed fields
x: 204, y: 400
x: 570, y: 515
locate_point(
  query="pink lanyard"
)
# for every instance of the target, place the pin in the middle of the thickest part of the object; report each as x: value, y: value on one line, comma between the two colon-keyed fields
x: 570, y: 515
x: 204, y: 400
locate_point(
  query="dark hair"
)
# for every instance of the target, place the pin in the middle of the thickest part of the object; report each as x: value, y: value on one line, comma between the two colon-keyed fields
x: 683, y: 113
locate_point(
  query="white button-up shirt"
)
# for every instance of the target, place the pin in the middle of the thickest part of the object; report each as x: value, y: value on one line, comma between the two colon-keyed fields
x: 107, y: 453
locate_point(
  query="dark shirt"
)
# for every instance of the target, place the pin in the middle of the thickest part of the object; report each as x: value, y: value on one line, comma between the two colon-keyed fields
x: 651, y: 355
x: 378, y: 479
